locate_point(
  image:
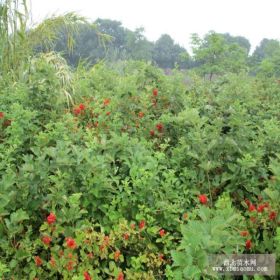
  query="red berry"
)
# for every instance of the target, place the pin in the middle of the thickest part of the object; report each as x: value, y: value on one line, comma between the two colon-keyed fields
x: 2, y: 115
x: 162, y: 232
x: 155, y: 92
x: 108, y: 113
x: 51, y: 218
x: 152, y: 133
x: 202, y: 198
x: 141, y: 115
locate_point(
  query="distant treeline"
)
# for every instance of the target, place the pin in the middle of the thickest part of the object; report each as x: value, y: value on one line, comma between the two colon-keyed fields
x: 212, y: 54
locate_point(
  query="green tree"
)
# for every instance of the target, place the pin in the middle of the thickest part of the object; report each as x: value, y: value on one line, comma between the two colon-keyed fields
x: 138, y: 47
x: 167, y: 54
x: 240, y: 40
x: 213, y: 55
x: 265, y: 60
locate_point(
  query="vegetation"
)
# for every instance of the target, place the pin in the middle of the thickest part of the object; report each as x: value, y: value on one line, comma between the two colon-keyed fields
x: 118, y: 171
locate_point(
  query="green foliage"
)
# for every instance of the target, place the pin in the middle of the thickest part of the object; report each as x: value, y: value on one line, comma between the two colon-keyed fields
x: 119, y: 170
x: 209, y: 231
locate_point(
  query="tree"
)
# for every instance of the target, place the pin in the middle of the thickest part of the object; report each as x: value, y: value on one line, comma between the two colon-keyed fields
x: 265, y: 60
x: 240, y: 40
x: 213, y: 55
x: 138, y: 47
x: 167, y: 54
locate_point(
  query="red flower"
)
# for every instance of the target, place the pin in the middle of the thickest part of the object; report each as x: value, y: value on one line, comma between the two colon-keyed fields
x: 162, y: 232
x: 244, y: 233
x: 120, y: 276
x: 106, y: 101
x: 266, y: 204
x: 77, y: 111
x: 51, y: 218
x: 90, y: 255
x: 70, y: 265
x: 70, y: 242
x: 7, y: 123
x: 117, y: 255
x: 252, y: 208
x: 159, y: 127
x: 141, y: 224
x: 141, y: 115
x: 253, y: 219
x: 152, y: 133
x: 272, y: 215
x: 87, y: 276
x: 38, y: 261
x: 248, y: 244
x: 126, y: 236
x: 260, y: 208
x: 52, y: 262
x: 202, y: 198
x: 106, y: 240
x: 155, y: 92
x: 2, y: 115
x: 82, y: 106
x: 46, y: 240
x: 61, y: 253
x: 247, y: 201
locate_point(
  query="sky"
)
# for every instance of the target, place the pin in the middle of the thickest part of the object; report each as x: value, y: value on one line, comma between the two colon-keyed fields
x: 253, y: 19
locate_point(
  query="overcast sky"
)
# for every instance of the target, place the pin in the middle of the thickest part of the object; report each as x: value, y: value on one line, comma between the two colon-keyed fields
x: 254, y: 19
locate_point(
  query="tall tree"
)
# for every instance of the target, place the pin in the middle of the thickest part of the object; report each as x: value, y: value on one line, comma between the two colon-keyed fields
x: 215, y: 56
x: 265, y: 60
x: 167, y: 54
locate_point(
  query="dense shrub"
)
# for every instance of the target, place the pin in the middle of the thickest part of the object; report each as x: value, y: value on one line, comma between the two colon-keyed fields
x: 136, y: 174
